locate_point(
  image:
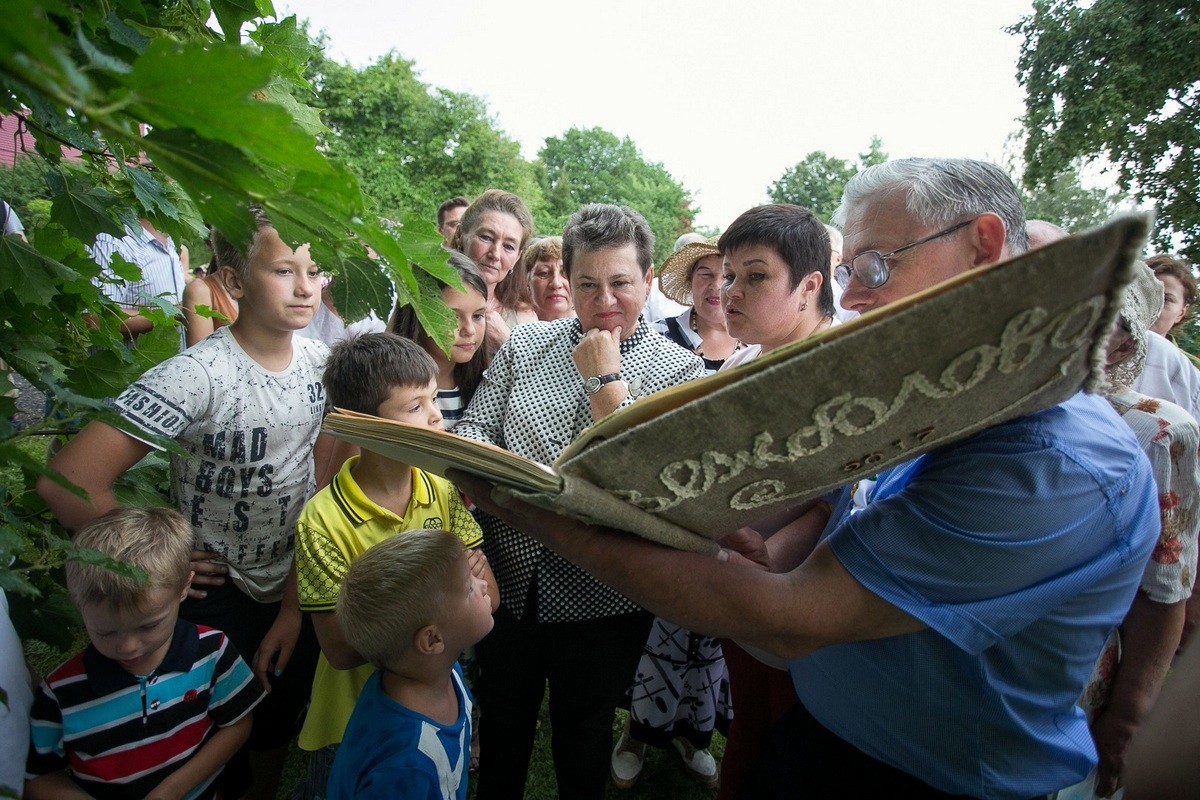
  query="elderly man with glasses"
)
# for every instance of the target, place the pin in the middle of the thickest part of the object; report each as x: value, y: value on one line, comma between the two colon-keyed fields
x: 939, y: 636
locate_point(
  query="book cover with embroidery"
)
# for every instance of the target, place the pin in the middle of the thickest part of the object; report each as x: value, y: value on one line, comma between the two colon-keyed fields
x: 689, y: 464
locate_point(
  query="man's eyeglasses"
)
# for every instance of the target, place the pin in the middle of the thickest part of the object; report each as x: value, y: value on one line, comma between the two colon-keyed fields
x: 871, y: 267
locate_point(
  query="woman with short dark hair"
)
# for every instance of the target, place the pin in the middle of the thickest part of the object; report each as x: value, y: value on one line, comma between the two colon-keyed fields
x: 556, y: 624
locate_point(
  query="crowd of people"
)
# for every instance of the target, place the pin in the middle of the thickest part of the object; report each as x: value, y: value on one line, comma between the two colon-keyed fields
x: 993, y: 619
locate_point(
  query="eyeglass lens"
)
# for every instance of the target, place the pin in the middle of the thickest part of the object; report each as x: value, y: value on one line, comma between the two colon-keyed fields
x: 868, y: 267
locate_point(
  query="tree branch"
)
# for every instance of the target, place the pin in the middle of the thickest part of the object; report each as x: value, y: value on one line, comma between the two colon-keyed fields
x: 41, y: 130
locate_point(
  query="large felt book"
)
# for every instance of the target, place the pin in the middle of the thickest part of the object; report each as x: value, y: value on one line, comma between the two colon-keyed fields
x: 689, y: 464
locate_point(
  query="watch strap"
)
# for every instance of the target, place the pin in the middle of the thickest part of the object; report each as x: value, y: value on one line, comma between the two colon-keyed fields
x: 595, y: 382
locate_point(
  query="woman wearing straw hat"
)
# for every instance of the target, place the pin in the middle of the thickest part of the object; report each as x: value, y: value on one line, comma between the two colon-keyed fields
x: 691, y: 276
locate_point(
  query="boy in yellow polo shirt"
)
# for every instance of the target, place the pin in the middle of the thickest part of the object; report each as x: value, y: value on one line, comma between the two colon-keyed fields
x: 370, y: 499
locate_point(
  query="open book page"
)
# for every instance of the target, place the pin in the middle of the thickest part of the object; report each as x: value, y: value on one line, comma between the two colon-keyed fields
x: 436, y: 451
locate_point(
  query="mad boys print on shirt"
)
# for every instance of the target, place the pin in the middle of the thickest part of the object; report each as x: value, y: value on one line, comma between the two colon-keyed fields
x: 248, y: 434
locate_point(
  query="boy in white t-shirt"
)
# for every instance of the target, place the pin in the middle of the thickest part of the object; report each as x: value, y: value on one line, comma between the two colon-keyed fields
x: 245, y: 404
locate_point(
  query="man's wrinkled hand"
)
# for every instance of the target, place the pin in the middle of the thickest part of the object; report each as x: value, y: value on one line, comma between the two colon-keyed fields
x: 746, y: 546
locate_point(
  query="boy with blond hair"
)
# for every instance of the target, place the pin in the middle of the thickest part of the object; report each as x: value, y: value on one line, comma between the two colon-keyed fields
x: 245, y: 407
x: 155, y: 706
x: 371, y: 499
x: 410, y: 605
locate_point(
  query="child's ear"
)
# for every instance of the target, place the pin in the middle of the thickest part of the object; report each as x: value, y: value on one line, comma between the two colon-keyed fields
x: 428, y: 641
x: 232, y: 281
x: 187, y: 584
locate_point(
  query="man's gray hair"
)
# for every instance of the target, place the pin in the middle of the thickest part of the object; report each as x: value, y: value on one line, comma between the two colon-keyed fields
x: 942, y: 191
x: 598, y: 225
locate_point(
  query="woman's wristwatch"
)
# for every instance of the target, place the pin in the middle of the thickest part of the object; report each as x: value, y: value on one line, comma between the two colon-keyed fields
x: 593, y: 384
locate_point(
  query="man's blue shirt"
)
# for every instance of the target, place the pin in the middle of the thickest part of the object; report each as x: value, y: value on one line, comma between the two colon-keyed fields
x: 1020, y: 548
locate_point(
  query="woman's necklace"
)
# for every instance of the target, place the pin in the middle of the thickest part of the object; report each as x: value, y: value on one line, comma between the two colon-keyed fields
x: 699, y: 349
x: 822, y: 324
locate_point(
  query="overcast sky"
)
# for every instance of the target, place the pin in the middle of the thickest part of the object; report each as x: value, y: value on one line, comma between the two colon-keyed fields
x: 726, y: 95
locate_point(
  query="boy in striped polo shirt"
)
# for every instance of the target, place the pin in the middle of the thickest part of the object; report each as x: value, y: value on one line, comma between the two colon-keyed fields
x: 155, y: 706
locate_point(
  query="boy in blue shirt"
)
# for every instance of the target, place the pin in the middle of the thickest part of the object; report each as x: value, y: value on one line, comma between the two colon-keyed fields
x: 410, y: 605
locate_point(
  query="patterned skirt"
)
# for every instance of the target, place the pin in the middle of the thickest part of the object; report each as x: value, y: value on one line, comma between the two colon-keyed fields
x: 681, y: 688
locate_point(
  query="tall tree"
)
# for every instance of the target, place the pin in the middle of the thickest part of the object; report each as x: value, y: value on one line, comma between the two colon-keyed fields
x: 594, y: 166
x: 1118, y: 81
x: 1065, y: 201
x: 412, y: 146
x: 817, y: 180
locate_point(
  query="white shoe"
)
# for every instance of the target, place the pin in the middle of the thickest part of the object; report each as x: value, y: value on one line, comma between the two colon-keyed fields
x: 627, y: 759
x: 700, y: 764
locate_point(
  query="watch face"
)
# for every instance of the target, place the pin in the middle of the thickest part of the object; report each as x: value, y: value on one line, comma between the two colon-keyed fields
x: 593, y: 384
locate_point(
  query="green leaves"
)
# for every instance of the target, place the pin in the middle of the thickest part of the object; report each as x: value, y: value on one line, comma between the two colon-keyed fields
x: 1117, y: 82
x: 32, y: 355
x: 151, y: 193
x: 105, y: 373
x: 594, y: 166
x: 1065, y: 201
x: 27, y: 272
x: 51, y: 618
x: 817, y: 180
x: 126, y: 35
x: 436, y: 319
x: 94, y: 558
x: 289, y: 45
x: 30, y: 40
x: 233, y: 14
x: 364, y: 285
x: 210, y: 89
x: 411, y: 146
x: 85, y: 211
x: 228, y: 127
x: 280, y: 91
x: 423, y: 244
x: 220, y: 179
x: 96, y: 57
